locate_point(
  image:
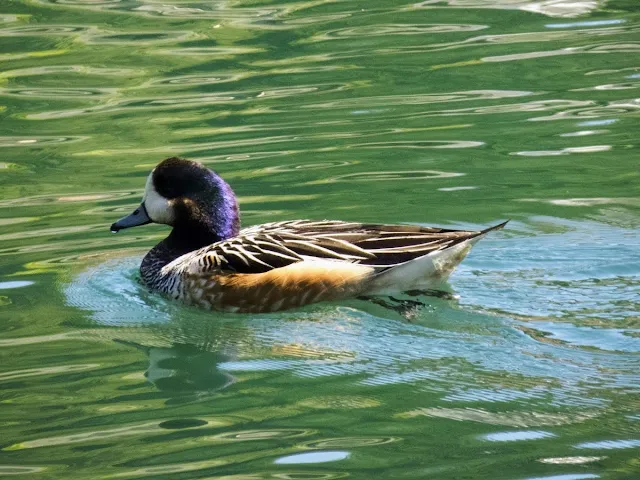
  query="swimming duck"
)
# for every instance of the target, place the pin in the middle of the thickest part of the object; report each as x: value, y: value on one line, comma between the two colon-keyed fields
x: 208, y: 261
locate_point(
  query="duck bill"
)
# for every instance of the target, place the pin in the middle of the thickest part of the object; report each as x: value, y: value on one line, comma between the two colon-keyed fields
x: 138, y: 217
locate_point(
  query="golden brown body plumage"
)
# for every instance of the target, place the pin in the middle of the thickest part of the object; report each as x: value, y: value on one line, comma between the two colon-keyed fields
x: 283, y: 288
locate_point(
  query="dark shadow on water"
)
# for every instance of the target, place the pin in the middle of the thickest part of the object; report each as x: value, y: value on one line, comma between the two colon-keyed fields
x: 183, y: 370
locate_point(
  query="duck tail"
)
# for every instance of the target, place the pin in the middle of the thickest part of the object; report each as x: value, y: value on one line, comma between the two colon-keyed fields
x: 427, y: 271
x: 500, y: 226
x: 482, y: 233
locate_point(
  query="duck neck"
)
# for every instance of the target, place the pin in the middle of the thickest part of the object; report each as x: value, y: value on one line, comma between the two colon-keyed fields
x: 185, y: 239
x: 179, y: 242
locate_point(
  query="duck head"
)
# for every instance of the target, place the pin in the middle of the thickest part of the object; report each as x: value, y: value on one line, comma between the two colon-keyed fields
x: 194, y: 200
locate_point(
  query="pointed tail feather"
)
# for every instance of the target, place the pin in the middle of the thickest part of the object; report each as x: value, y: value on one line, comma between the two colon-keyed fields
x: 429, y: 270
x: 495, y: 227
x: 482, y: 233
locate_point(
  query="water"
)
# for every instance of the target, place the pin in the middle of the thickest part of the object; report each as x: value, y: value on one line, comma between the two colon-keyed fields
x: 451, y: 112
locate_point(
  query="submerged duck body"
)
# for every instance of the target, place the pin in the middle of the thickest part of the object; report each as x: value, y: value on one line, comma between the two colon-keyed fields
x: 209, y: 262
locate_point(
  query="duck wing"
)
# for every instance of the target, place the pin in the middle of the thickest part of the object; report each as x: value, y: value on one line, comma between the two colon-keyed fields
x: 262, y: 248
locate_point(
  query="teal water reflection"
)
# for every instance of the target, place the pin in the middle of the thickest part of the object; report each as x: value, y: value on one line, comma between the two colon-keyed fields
x: 453, y: 112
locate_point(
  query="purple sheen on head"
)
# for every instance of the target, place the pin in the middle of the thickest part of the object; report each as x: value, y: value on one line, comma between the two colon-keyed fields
x: 205, y: 209
x: 228, y: 221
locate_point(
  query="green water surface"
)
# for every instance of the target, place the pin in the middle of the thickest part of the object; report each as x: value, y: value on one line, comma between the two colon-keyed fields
x: 458, y: 113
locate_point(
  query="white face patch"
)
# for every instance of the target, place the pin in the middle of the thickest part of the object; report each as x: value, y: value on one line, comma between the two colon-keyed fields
x: 158, y: 208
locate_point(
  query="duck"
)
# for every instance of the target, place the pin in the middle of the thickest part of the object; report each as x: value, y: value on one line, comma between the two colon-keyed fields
x: 208, y: 261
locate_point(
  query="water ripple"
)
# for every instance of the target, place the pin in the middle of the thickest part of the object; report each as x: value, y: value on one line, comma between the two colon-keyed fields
x: 8, y: 18
x: 552, y: 8
x: 315, y: 457
x: 58, y: 92
x: 391, y: 29
x: 350, y: 442
x: 38, y: 140
x: 259, y: 435
x: 184, y: 101
x: 307, y: 166
x: 84, y: 197
x: 388, y: 175
x: 610, y: 444
x: 83, y: 3
x: 75, y: 69
x: 35, y: 30
x: 567, y: 476
x: 20, y: 470
x: 564, y: 151
x: 34, y: 372
x: 507, y: 418
x: 517, y: 436
x: 615, y: 108
x: 508, y: 39
x: 421, y: 99
x: 139, y: 38
x: 195, y: 80
x: 570, y: 460
x: 237, y: 16
x: 210, y: 52
x: 422, y: 144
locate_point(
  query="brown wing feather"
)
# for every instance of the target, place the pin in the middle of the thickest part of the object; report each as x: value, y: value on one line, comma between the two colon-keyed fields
x: 377, y: 245
x: 271, y: 246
